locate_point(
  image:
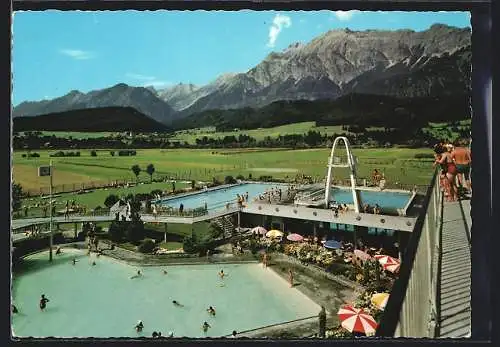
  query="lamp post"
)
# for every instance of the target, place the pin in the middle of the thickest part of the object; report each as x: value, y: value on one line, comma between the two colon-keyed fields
x: 42, y: 172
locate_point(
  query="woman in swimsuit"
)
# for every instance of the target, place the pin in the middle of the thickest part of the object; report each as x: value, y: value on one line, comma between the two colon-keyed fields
x: 447, y: 161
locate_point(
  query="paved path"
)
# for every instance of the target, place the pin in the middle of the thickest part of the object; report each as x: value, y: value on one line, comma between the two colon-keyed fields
x: 455, y: 281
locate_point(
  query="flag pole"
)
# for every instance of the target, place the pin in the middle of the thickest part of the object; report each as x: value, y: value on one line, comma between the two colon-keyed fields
x: 50, y: 223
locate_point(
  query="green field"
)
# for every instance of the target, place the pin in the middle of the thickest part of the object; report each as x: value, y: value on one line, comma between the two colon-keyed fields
x: 399, y: 165
x: 76, y: 135
x: 191, y: 135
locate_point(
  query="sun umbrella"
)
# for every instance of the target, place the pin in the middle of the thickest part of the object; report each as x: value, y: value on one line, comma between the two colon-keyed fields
x: 357, y: 320
x: 295, y: 237
x: 259, y: 230
x: 332, y: 244
x: 385, y: 259
x: 392, y: 267
x: 361, y: 255
x: 379, y: 300
x: 274, y: 233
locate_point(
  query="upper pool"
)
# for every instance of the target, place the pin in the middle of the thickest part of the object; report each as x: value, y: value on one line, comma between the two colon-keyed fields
x: 387, y: 200
x: 102, y: 300
x: 218, y: 198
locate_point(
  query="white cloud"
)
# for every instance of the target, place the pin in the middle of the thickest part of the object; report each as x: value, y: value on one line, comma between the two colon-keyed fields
x: 77, y: 54
x: 344, y: 15
x: 279, y: 23
x: 140, y: 77
x: 157, y: 84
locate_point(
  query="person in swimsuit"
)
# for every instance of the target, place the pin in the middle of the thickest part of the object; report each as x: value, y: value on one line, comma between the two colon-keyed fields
x: 462, y: 157
x: 139, y: 274
x: 14, y: 309
x: 205, y: 327
x: 211, y: 311
x: 290, y: 277
x: 221, y: 274
x: 451, y: 172
x: 43, y: 302
x: 139, y: 326
x: 177, y: 304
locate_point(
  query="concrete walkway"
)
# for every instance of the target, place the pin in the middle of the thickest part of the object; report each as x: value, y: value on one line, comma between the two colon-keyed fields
x: 455, y: 274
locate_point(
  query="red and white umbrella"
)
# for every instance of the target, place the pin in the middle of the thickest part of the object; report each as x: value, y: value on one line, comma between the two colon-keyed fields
x: 259, y: 230
x: 357, y: 320
x: 361, y: 255
x: 295, y: 237
x: 385, y: 259
x: 392, y: 267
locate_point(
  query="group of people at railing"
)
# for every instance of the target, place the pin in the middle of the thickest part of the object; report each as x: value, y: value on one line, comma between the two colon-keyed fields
x: 454, y: 161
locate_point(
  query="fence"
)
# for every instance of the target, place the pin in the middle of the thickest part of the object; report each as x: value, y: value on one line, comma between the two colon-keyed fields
x: 412, y: 307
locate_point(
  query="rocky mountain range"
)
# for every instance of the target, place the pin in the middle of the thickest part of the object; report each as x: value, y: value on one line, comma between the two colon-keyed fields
x: 402, y: 63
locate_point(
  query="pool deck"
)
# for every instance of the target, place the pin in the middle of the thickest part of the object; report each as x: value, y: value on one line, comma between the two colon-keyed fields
x: 455, y: 271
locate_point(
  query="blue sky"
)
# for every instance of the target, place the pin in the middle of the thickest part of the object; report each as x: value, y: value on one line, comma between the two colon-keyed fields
x: 55, y: 52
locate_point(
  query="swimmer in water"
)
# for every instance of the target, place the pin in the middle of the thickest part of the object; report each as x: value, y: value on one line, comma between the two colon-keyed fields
x: 139, y: 326
x: 58, y: 250
x: 14, y: 309
x: 221, y: 274
x: 93, y: 263
x: 74, y: 261
x: 177, y: 304
x: 211, y: 310
x: 43, y: 302
x: 165, y: 272
x: 139, y: 274
x: 205, y: 327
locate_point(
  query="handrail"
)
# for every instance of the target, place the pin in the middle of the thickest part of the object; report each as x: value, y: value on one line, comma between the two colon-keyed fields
x: 403, y: 315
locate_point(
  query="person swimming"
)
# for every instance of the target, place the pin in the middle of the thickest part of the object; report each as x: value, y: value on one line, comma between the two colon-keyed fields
x: 177, y: 304
x: 165, y: 272
x: 211, y: 311
x: 139, y: 274
x: 93, y: 263
x: 58, y: 250
x: 43, y: 302
x: 205, y: 327
x: 74, y: 261
x: 139, y: 326
x: 233, y: 335
x: 14, y: 309
x: 221, y: 274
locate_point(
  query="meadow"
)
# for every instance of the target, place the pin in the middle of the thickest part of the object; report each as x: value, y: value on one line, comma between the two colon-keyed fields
x: 398, y: 164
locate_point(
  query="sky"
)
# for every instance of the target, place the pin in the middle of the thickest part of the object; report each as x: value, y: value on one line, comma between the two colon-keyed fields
x: 55, y: 52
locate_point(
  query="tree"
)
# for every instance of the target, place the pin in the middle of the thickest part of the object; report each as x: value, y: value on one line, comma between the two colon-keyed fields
x: 111, y: 200
x: 17, y: 194
x: 229, y: 180
x: 136, y: 170
x: 150, y: 169
x: 93, y: 153
x: 116, y: 231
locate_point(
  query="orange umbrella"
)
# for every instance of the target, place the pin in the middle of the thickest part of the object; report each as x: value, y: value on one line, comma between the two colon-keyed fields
x: 357, y: 320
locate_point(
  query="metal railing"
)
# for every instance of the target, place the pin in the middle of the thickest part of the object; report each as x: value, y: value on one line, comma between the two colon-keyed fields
x: 412, y: 308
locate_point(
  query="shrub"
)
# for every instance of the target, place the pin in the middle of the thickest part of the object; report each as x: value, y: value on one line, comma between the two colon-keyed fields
x: 112, y: 153
x: 240, y: 177
x: 93, y: 153
x: 134, y: 232
x: 116, y: 231
x: 24, y: 155
x: 229, y: 180
x: 111, y: 200
x: 424, y: 156
x: 146, y: 246
x: 34, y: 155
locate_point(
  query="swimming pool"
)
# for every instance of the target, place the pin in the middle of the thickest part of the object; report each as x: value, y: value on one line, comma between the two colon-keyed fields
x: 387, y: 200
x: 218, y: 198
x: 102, y: 300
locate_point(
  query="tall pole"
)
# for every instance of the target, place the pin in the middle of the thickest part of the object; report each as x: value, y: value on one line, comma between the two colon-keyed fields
x: 50, y: 223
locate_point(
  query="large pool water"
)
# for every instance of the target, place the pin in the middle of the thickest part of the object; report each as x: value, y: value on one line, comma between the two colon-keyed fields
x: 218, y: 198
x: 385, y: 199
x: 102, y: 300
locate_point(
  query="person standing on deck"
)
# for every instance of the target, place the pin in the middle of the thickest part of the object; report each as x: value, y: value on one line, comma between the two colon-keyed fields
x: 463, y: 161
x: 290, y: 277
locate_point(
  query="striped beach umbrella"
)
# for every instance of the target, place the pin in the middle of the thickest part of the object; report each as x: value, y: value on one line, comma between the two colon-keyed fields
x: 361, y: 255
x: 392, y: 267
x: 385, y: 259
x: 259, y: 230
x: 357, y: 320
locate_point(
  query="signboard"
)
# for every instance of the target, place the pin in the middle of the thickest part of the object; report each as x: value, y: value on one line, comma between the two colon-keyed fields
x: 44, y: 171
